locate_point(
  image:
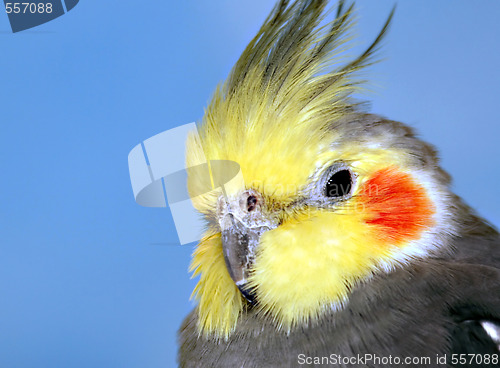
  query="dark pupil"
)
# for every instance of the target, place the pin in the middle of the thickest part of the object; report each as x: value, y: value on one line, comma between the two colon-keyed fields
x: 339, y: 184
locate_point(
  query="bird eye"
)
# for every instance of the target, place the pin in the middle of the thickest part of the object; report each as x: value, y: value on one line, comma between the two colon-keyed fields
x: 339, y: 184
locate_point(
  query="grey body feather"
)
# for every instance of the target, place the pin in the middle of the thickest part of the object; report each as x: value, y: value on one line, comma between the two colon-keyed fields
x: 431, y: 308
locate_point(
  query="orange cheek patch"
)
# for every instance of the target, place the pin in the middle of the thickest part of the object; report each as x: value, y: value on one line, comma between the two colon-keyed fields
x: 398, y: 207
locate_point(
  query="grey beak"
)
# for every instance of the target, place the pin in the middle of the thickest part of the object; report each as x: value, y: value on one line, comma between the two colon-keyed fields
x: 239, y: 244
x: 242, y: 224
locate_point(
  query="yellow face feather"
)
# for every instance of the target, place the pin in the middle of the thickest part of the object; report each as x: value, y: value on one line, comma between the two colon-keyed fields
x: 283, y: 117
x: 310, y: 262
x: 220, y: 301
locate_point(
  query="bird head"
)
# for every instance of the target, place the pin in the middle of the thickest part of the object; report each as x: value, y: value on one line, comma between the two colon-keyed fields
x: 329, y: 196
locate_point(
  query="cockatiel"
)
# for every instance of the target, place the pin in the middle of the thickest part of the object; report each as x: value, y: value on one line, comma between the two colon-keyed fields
x: 344, y: 240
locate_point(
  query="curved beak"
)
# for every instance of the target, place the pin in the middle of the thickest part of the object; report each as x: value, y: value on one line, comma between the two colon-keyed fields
x: 242, y: 224
x: 239, y: 244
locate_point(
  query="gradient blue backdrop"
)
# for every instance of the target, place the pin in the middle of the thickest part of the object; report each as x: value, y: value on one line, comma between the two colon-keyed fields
x: 83, y: 280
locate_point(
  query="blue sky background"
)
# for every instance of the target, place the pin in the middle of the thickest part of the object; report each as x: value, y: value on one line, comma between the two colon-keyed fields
x: 82, y: 283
